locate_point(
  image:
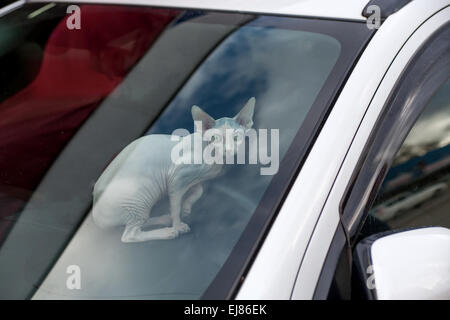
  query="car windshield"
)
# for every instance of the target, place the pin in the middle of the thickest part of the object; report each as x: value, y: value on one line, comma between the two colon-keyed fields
x: 94, y: 99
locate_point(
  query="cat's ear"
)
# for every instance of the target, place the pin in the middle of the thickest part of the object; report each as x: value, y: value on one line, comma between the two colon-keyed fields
x: 245, y: 116
x: 206, y: 120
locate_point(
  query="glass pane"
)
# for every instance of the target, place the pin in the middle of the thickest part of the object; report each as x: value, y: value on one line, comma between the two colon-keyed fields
x: 69, y: 131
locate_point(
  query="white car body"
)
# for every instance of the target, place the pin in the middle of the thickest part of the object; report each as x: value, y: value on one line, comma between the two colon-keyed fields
x: 288, y: 264
x: 349, y: 9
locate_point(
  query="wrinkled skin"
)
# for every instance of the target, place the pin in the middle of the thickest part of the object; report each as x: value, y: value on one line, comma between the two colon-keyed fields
x: 144, y: 172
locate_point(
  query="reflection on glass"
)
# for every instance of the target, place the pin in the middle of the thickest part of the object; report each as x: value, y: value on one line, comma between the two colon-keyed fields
x: 132, y: 82
x: 416, y: 191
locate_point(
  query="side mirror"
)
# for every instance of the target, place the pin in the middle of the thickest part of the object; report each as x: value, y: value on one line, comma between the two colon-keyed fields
x: 413, y: 264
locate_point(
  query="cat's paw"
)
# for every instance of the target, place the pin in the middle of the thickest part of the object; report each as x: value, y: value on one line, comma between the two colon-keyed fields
x: 182, y: 227
x: 170, y: 233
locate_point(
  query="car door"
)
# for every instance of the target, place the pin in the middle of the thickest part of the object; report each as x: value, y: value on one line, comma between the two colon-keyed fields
x: 301, y: 235
x: 401, y: 146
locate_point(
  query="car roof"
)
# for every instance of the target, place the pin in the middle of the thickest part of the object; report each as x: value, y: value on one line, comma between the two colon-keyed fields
x: 347, y: 10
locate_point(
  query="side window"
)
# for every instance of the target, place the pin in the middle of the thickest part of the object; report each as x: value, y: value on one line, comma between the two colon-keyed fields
x: 416, y: 190
x: 402, y: 179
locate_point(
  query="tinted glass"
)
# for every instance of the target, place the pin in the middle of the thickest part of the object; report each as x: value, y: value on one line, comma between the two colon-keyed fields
x: 90, y: 195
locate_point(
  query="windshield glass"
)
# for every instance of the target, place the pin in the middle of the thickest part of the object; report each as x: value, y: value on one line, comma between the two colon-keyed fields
x: 140, y: 145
